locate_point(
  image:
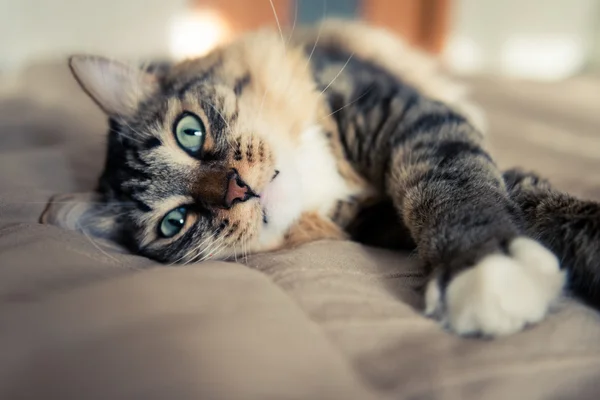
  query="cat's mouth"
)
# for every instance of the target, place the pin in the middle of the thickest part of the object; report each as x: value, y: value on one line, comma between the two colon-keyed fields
x: 281, y: 202
x: 264, y: 198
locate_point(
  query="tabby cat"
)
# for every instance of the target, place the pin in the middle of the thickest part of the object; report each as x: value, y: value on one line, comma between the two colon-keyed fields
x: 269, y: 142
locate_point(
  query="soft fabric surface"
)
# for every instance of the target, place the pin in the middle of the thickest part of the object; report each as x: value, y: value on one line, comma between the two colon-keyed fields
x: 330, y: 320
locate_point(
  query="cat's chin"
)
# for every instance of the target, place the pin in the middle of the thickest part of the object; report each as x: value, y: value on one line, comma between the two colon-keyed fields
x: 281, y: 201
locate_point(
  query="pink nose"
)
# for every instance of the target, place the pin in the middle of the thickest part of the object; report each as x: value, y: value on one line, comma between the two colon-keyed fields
x: 237, y: 190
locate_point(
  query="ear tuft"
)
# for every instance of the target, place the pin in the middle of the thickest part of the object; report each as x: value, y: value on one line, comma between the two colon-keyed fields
x: 83, y: 212
x: 116, y: 87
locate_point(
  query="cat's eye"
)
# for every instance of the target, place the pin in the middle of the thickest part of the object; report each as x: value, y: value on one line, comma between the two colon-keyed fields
x: 172, y: 222
x: 190, y: 133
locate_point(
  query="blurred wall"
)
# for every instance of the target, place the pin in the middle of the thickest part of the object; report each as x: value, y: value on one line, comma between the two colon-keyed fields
x: 594, y: 64
x: 539, y: 39
x: 41, y: 29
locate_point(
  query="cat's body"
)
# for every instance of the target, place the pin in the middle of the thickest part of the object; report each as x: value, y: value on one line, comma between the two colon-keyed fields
x: 268, y: 143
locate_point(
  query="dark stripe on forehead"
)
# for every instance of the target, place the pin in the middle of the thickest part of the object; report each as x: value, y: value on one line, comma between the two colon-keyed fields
x: 151, y: 112
x: 215, y: 115
x: 189, y: 85
x: 241, y: 84
x: 200, y: 77
x: 141, y: 205
x: 160, y: 111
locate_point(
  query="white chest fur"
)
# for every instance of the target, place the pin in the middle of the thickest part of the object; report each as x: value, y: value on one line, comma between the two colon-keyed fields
x: 308, y: 181
x: 322, y: 185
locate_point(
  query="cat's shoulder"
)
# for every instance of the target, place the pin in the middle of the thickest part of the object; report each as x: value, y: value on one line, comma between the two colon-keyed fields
x: 391, y: 52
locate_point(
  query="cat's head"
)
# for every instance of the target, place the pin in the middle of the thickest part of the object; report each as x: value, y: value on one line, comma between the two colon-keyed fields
x: 200, y: 158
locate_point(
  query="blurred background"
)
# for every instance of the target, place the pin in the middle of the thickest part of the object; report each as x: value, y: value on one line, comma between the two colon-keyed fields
x: 532, y: 65
x: 533, y: 39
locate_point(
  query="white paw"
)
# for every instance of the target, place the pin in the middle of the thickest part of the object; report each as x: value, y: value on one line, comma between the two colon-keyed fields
x: 501, y: 294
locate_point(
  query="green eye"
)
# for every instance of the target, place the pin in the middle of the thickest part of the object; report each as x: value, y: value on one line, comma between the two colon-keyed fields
x: 190, y: 133
x: 172, y: 223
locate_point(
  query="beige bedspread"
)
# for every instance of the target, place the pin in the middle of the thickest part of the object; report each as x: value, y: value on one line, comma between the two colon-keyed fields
x: 79, y: 320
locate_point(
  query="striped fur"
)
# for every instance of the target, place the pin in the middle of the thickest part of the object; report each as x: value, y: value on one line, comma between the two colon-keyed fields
x: 568, y: 226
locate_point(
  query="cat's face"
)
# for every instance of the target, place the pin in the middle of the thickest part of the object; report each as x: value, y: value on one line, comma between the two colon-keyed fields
x: 201, y: 160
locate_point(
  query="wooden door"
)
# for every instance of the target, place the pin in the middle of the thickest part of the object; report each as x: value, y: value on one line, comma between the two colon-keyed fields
x: 423, y: 23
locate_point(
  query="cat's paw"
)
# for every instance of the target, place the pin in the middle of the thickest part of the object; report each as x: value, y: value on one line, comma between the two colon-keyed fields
x: 501, y: 294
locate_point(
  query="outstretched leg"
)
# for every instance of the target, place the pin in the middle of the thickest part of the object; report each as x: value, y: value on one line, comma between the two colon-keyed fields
x: 486, y: 278
x: 566, y: 225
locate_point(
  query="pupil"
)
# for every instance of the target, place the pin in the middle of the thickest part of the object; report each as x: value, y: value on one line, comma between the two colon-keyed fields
x: 191, y: 132
x: 176, y: 222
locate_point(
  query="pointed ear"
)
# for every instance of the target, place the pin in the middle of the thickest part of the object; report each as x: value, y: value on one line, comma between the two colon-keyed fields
x: 116, y: 87
x: 83, y: 212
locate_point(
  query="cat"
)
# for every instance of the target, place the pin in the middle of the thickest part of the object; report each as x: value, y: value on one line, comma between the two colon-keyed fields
x: 269, y: 142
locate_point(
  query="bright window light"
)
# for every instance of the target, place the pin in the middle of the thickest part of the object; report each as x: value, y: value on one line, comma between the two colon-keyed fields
x: 541, y: 57
x: 463, y: 55
x: 196, y: 33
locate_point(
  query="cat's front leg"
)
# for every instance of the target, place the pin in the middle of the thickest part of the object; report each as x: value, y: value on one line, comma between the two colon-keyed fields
x: 485, y: 277
x: 569, y: 226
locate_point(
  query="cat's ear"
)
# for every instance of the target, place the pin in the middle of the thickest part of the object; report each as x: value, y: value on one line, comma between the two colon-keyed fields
x: 116, y: 87
x: 83, y: 212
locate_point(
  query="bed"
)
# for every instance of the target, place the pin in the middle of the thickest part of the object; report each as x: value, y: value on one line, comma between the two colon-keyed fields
x: 81, y: 319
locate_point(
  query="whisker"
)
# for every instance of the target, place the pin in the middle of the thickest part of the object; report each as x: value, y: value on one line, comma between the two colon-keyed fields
x: 262, y: 103
x: 81, y: 227
x: 218, y: 251
x: 213, y: 252
x: 194, y: 249
x: 218, y: 112
x: 245, y: 248
x: 209, y: 250
x: 134, y: 131
x: 318, y: 36
x: 349, y: 104
x: 337, y: 75
x: 206, y: 249
x: 96, y: 245
x: 68, y: 202
x: 124, y: 135
x: 294, y: 23
x: 229, y: 130
x: 277, y: 20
